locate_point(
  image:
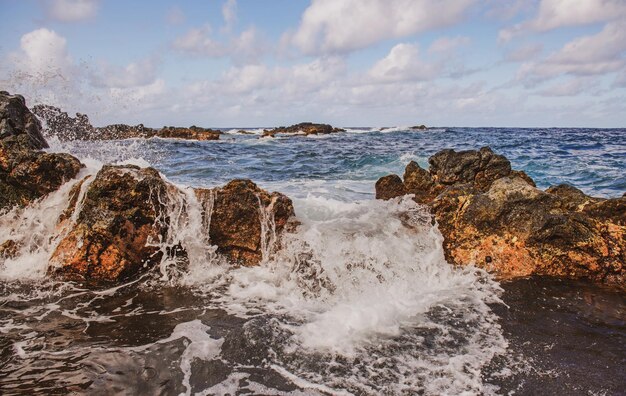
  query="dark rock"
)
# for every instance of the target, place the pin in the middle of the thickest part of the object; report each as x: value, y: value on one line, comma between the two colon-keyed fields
x: 497, y: 219
x: 240, y: 212
x: 123, y: 131
x: 419, y: 127
x: 119, y: 216
x: 60, y: 124
x: 390, y: 187
x: 16, y: 120
x: 26, y: 173
x: 480, y: 168
x: 304, y: 128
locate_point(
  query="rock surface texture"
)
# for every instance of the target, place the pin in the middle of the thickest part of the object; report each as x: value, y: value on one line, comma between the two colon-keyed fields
x: 26, y: 172
x: 124, y: 216
x: 110, y: 240
x: 304, y: 128
x: 496, y: 218
x: 246, y: 220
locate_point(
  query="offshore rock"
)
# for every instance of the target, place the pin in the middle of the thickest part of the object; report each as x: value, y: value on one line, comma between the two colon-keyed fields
x: 117, y: 229
x: 304, y: 128
x: 60, y: 124
x: 246, y: 221
x: 496, y: 218
x: 193, y: 132
x: 419, y: 127
x: 26, y: 173
x: 123, y: 131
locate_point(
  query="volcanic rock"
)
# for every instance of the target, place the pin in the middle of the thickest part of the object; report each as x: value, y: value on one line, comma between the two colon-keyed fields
x: 65, y: 128
x: 26, y: 173
x: 117, y: 229
x: 304, y: 128
x: 419, y: 127
x: 496, y: 218
x: 193, y: 132
x: 246, y: 221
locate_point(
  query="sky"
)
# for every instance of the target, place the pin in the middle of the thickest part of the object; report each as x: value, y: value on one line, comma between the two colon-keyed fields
x: 249, y: 63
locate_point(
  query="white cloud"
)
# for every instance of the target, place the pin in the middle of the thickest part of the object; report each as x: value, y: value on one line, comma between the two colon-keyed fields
x: 135, y: 74
x: 572, y: 87
x: 448, y: 44
x: 72, y: 10
x: 331, y: 26
x: 596, y: 54
x: 403, y: 63
x: 247, y: 47
x: 198, y: 41
x: 553, y: 14
x: 43, y: 53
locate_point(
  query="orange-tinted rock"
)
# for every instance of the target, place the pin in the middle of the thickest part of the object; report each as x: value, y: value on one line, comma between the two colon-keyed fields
x: 389, y: 187
x: 118, y: 219
x: 193, y: 132
x: 497, y: 219
x: 246, y: 219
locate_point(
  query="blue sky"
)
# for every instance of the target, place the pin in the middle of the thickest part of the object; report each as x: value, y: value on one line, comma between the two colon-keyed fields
x: 220, y: 63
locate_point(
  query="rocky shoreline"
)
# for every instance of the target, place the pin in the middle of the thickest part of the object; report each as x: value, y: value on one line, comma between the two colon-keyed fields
x: 497, y: 219
x: 65, y: 128
x: 489, y: 215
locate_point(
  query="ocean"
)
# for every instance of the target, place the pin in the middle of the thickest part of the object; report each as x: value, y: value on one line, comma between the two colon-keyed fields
x: 376, y: 310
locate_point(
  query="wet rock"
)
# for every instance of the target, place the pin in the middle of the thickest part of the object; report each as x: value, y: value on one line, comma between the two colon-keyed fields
x: 116, y: 231
x: 497, y: 219
x: 389, y: 187
x: 419, y: 127
x: 9, y: 249
x: 26, y: 173
x: 65, y: 128
x: 123, y: 131
x: 304, y: 128
x: 246, y: 221
x: 193, y: 132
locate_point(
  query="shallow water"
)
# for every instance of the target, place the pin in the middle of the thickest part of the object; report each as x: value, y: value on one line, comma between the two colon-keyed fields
x: 358, y: 301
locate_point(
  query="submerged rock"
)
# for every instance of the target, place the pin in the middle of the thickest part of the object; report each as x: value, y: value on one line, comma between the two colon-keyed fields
x: 26, y: 173
x: 496, y: 218
x: 246, y: 220
x: 304, y: 128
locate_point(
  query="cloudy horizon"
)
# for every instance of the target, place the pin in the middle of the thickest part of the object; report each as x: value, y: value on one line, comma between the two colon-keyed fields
x: 246, y: 63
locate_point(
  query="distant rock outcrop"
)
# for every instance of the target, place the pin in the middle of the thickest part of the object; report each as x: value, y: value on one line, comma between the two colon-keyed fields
x: 419, y: 127
x: 304, y: 128
x: 26, y: 172
x: 496, y: 218
x: 193, y: 132
x: 67, y: 128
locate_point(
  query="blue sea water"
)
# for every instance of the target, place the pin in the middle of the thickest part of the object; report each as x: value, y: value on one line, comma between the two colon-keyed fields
x: 348, y: 164
x: 358, y: 300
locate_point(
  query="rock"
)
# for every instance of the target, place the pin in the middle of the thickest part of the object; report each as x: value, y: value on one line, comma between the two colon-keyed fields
x: 26, y: 173
x: 419, y: 127
x: 246, y: 220
x: 389, y: 187
x: 117, y: 220
x: 496, y: 218
x: 480, y: 168
x: 123, y: 131
x: 9, y: 249
x: 17, y: 121
x: 60, y: 124
x: 124, y: 214
x: 193, y: 132
x: 304, y: 128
